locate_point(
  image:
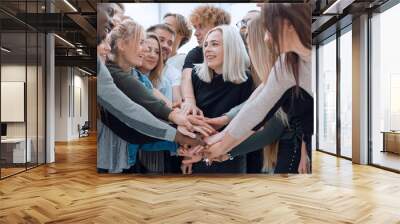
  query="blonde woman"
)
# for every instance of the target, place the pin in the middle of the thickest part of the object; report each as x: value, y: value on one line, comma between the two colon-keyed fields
x: 275, y: 129
x: 220, y: 83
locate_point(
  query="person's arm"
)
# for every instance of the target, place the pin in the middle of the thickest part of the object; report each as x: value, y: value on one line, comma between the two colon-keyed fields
x: 132, y: 87
x: 271, y: 132
x: 189, y: 100
x: 261, y: 108
x: 221, y: 121
x: 235, y: 110
x: 129, y: 112
x: 159, y: 95
x: 176, y: 94
x: 175, y: 76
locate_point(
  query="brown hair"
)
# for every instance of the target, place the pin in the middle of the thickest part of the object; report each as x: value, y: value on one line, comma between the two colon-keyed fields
x: 128, y: 29
x: 299, y: 16
x: 161, y: 26
x: 259, y: 52
x: 182, y: 28
x: 155, y: 74
x: 210, y: 15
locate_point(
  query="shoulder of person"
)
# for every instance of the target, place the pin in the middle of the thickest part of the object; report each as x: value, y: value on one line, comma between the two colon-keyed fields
x: 195, y: 52
x: 115, y: 69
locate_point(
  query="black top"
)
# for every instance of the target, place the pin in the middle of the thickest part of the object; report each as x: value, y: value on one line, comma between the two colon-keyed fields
x: 215, y: 99
x: 218, y: 97
x: 300, y: 112
x: 195, y: 56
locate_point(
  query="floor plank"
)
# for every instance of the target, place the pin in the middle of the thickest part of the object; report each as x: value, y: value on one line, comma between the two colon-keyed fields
x: 71, y: 191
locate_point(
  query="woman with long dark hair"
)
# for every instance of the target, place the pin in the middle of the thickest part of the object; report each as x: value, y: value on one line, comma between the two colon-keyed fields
x: 288, y: 86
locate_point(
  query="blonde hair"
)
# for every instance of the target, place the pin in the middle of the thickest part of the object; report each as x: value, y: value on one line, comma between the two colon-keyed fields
x: 126, y: 30
x: 155, y: 74
x: 259, y: 51
x: 262, y: 60
x: 208, y: 15
x: 270, y: 152
x: 236, y: 60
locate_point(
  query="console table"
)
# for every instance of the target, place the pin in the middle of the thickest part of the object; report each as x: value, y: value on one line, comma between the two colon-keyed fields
x: 391, y: 141
x: 13, y: 150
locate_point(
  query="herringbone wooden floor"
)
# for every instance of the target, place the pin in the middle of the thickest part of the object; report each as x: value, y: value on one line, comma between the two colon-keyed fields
x: 70, y: 191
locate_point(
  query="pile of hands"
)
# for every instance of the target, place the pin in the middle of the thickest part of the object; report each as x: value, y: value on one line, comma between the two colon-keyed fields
x: 198, y: 137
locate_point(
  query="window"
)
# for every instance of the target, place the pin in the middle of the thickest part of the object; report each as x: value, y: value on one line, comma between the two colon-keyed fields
x: 346, y: 94
x: 385, y: 85
x: 327, y: 96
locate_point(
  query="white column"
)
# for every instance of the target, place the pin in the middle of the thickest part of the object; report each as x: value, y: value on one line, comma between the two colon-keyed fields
x: 50, y: 100
x: 50, y: 92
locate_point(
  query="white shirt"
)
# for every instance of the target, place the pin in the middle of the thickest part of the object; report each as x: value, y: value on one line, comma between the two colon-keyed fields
x: 172, y: 74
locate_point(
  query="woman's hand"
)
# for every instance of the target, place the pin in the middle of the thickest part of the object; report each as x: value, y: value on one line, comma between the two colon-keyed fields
x: 215, y: 151
x: 211, y: 140
x: 200, y: 125
x: 192, y: 155
x: 184, y: 137
x: 190, y: 108
x: 180, y: 119
x: 218, y: 122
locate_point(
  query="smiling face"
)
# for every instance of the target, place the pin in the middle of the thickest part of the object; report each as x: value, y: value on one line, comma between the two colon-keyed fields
x: 105, y: 12
x: 200, y: 32
x: 214, y: 51
x: 132, y: 50
x: 166, y: 40
x: 151, y: 55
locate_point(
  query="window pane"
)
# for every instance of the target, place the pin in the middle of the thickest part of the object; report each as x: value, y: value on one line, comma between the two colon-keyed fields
x: 15, y: 150
x: 385, y: 84
x: 346, y: 94
x: 327, y: 97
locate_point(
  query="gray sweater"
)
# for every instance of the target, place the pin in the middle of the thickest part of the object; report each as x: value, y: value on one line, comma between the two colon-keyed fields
x: 279, y: 81
x: 132, y: 114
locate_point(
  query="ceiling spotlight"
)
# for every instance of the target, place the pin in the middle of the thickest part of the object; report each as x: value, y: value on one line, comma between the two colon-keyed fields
x: 5, y: 50
x: 70, y: 5
x: 86, y: 72
x: 64, y: 40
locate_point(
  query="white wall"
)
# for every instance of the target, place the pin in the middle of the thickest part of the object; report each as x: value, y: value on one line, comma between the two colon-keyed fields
x: 69, y: 85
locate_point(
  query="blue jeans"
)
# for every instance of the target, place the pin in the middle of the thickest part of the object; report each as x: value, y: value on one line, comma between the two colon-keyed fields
x: 150, y: 147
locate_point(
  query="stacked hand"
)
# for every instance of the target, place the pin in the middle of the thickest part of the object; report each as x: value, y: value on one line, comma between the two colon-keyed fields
x: 199, y: 139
